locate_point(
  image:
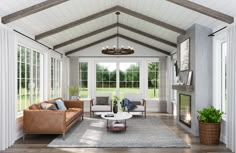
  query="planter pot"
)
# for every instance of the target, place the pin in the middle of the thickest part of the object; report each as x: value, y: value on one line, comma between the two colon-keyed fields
x: 115, y: 108
x: 209, y: 133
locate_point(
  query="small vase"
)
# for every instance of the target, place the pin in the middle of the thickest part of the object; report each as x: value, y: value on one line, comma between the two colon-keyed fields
x: 115, y: 109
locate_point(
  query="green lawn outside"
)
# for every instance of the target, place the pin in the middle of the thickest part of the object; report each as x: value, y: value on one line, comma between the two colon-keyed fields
x: 83, y: 93
x: 24, y: 100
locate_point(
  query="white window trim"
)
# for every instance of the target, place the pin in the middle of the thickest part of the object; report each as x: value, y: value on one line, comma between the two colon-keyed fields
x: 19, y: 114
x: 143, y: 63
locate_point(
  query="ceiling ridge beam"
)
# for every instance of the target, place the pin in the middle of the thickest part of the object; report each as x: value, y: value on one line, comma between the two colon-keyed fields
x: 144, y: 44
x: 31, y: 10
x: 76, y: 23
x: 148, y: 35
x: 105, y: 12
x: 85, y: 36
x: 110, y: 27
x: 151, y: 20
x: 121, y: 36
x: 91, y: 44
x: 204, y: 10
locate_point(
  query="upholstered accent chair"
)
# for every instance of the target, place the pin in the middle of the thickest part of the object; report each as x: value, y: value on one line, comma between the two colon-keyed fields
x: 138, y: 101
x: 101, y: 103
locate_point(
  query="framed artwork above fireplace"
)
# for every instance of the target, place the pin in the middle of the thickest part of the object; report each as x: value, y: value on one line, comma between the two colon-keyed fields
x: 185, y: 55
x: 185, y: 109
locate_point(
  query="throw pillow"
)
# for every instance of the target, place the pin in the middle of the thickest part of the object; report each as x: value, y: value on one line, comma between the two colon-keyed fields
x: 48, y: 106
x: 102, y: 100
x: 60, y: 104
x: 130, y: 106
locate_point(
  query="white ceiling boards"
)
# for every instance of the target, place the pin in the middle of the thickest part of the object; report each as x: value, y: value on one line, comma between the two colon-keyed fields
x: 156, y: 23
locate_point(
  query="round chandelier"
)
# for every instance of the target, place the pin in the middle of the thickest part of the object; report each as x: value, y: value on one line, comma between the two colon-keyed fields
x: 116, y: 50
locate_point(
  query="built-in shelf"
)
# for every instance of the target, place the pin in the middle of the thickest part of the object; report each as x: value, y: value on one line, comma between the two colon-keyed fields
x: 182, y: 88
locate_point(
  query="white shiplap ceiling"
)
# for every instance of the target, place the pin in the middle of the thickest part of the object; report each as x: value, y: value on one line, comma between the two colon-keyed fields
x: 72, y: 10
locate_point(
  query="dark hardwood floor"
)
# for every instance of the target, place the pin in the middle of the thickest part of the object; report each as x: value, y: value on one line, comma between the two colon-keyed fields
x: 38, y: 143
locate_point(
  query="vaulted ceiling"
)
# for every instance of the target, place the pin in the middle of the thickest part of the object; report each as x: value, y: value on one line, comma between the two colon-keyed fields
x: 70, y: 25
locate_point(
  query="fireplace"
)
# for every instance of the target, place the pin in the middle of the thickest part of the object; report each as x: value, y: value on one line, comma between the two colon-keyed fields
x: 185, y: 109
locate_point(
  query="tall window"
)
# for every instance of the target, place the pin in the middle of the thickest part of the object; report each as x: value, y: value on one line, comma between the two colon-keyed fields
x: 106, y: 78
x: 55, y: 78
x: 129, y: 78
x: 223, y: 77
x: 29, y: 77
x: 153, y: 80
x: 83, y: 79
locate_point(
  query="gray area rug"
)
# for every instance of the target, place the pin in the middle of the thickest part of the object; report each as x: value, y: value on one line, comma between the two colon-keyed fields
x: 92, y: 132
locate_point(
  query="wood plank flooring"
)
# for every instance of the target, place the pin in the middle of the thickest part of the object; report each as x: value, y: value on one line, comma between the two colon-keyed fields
x: 38, y: 143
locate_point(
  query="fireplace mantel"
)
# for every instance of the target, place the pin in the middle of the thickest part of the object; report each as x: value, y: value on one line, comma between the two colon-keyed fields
x: 183, y: 88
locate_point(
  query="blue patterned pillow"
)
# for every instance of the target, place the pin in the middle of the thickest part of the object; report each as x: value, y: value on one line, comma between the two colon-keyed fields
x: 60, y: 104
x: 130, y: 106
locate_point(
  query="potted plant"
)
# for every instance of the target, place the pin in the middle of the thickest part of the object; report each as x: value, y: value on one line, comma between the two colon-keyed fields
x: 209, y: 125
x: 115, y: 106
x: 73, y: 92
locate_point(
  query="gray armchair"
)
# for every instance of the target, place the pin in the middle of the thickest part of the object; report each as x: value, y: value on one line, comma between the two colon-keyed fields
x: 101, y: 103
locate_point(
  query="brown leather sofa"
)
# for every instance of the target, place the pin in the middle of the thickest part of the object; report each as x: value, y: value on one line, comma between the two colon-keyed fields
x: 39, y: 121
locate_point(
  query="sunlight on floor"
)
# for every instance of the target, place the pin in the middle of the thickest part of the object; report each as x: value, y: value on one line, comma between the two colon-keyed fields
x: 91, y: 137
x: 98, y: 124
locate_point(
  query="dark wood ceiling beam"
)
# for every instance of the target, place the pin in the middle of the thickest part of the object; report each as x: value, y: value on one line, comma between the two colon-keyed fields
x: 105, y: 12
x: 31, y: 10
x: 151, y: 20
x: 84, y: 36
x: 122, y: 36
x: 110, y: 27
x: 204, y: 10
x: 144, y: 44
x: 76, y: 23
x: 147, y: 35
x: 89, y: 45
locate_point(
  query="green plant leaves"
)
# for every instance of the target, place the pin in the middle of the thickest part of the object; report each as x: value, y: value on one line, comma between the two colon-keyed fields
x: 210, y: 115
x: 73, y: 90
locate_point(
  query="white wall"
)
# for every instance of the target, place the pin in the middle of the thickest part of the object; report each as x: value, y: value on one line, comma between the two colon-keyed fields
x: 140, y: 51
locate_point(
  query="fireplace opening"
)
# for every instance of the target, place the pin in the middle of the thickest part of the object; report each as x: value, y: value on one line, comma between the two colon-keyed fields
x: 185, y: 109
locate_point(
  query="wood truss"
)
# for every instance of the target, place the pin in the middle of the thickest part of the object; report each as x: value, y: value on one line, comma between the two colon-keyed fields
x: 50, y: 3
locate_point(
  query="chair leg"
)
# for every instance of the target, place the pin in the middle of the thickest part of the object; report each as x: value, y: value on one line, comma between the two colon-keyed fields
x: 23, y: 137
x: 90, y: 114
x: 145, y: 114
x: 63, y: 136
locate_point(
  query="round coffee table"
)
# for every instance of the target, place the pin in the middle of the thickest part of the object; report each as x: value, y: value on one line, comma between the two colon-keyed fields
x: 116, y: 121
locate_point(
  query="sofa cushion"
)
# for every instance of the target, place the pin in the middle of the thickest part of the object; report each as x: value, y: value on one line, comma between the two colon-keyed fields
x: 139, y: 108
x: 60, y: 104
x: 75, y: 109
x: 35, y: 106
x: 48, y: 106
x: 102, y: 100
x: 102, y: 108
x: 72, y: 114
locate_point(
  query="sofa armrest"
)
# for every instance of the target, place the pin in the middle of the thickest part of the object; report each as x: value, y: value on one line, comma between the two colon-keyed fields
x: 74, y: 104
x: 44, y: 121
